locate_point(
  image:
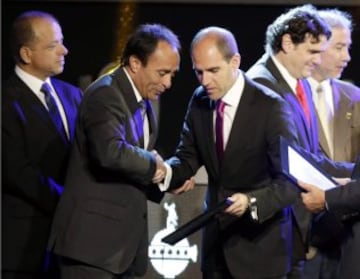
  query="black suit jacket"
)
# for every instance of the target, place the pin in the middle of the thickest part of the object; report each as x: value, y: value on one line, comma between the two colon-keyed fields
x: 101, y: 218
x: 348, y: 198
x: 251, y: 164
x: 34, y: 160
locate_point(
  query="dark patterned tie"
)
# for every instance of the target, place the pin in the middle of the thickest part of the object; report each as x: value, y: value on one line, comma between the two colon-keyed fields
x: 143, y: 104
x: 53, y: 110
x: 143, y: 108
x: 219, y: 129
x: 300, y: 94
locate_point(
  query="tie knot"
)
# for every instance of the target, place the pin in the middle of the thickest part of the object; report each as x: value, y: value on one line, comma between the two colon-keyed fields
x: 299, y: 86
x: 45, y: 88
x: 220, y: 106
x: 319, y: 89
x: 143, y: 106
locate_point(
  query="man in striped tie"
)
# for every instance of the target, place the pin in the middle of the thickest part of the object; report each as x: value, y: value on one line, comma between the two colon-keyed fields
x: 35, y: 146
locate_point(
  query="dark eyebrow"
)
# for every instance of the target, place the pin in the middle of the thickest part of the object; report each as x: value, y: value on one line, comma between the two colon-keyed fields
x: 207, y: 70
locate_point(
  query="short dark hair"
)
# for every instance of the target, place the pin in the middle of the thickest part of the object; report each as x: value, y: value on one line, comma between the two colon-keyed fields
x: 143, y: 42
x: 297, y: 22
x: 22, y: 32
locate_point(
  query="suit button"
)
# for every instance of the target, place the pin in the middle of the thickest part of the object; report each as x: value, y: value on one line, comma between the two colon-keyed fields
x: 144, y: 215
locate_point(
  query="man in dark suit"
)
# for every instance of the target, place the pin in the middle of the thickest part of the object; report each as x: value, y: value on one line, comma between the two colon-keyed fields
x: 337, y: 105
x: 34, y: 151
x: 100, y: 228
x: 253, y: 237
x: 346, y: 197
x: 294, y: 42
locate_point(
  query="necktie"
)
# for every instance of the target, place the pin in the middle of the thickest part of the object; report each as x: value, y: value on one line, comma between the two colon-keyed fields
x: 145, y: 127
x: 53, y: 110
x: 325, y: 116
x: 300, y: 94
x: 143, y: 109
x: 219, y: 129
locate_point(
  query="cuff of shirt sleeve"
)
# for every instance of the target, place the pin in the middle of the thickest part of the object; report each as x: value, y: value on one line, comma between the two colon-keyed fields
x: 165, y: 185
x: 326, y: 206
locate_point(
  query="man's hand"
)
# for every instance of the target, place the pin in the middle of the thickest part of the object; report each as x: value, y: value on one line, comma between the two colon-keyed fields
x: 187, y: 186
x: 160, y: 172
x: 239, y: 206
x: 313, y: 198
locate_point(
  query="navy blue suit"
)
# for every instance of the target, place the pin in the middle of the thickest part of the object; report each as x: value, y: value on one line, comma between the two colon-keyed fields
x: 34, y: 161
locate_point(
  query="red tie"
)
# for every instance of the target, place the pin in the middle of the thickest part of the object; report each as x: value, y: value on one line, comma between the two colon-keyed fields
x: 219, y: 129
x: 300, y: 94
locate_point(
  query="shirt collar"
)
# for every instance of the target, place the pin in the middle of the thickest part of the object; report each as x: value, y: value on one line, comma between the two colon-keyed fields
x: 232, y: 97
x: 139, y: 98
x: 291, y: 81
x: 31, y: 81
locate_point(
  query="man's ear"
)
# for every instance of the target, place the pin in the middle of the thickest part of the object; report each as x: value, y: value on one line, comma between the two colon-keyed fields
x: 134, y: 63
x: 236, y: 61
x: 286, y: 43
x: 25, y: 54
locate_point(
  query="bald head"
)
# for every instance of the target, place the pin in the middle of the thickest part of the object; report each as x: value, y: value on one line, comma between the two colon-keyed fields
x: 24, y: 32
x: 222, y: 38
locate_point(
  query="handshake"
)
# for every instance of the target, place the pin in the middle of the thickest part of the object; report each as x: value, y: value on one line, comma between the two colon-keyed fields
x: 161, y: 172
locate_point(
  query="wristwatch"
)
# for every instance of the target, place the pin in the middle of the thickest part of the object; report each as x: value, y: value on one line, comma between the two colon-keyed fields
x: 253, y: 207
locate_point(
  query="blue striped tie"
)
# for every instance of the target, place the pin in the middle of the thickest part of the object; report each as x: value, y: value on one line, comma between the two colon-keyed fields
x: 53, y: 110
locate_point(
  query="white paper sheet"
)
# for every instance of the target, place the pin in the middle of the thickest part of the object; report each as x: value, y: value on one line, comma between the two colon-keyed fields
x: 304, y: 171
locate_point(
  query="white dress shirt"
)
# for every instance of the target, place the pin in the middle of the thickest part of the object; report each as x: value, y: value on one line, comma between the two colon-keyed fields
x: 35, y: 85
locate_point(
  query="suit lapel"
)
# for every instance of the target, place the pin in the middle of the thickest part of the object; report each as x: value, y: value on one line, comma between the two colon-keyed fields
x: 309, y: 132
x: 342, y: 106
x: 34, y: 104
x: 241, y: 121
x: 207, y: 128
x: 128, y: 95
x: 152, y: 112
x: 312, y: 129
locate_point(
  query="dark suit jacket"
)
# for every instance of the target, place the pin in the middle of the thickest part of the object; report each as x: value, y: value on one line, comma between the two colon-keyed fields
x: 346, y: 97
x: 101, y: 218
x: 348, y: 198
x: 251, y: 164
x: 34, y: 159
x: 265, y: 72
